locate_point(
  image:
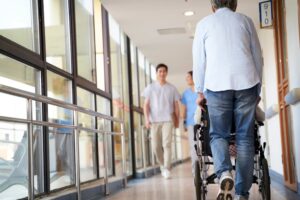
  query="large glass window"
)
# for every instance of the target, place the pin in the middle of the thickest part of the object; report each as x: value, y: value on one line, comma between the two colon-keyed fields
x: 61, y: 140
x: 126, y: 107
x: 148, y: 72
x: 142, y: 75
x: 134, y: 75
x: 117, y: 88
x: 57, y: 33
x: 59, y: 87
x: 103, y: 106
x: 99, y: 46
x: 20, y: 76
x: 19, y: 22
x: 138, y: 140
x: 14, y: 136
x: 87, y: 140
x: 84, y: 13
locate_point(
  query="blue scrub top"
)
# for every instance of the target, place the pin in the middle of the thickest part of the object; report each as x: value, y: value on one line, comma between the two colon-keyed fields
x: 189, y: 100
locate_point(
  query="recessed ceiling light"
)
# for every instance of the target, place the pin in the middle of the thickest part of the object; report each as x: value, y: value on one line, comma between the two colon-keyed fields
x: 188, y: 13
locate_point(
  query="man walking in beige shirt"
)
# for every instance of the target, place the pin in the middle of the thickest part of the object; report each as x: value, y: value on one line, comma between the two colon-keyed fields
x: 161, y: 111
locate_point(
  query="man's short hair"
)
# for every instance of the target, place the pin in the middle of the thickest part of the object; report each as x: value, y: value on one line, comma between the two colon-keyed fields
x: 190, y: 73
x: 161, y: 65
x: 224, y: 3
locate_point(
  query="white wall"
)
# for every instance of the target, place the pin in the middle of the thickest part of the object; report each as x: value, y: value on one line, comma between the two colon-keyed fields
x: 270, y: 97
x: 293, y: 42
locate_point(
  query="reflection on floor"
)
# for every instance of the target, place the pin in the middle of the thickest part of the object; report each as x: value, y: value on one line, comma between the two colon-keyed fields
x: 181, y: 187
x: 14, y: 192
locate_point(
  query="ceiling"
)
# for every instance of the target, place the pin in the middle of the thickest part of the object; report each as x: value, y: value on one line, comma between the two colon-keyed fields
x: 141, y: 19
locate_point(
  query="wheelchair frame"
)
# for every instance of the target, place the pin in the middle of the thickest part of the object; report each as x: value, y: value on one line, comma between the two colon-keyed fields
x: 202, y: 147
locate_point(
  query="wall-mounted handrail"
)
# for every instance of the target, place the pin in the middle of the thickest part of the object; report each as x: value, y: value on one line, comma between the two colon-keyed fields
x: 76, y: 109
x: 48, y: 100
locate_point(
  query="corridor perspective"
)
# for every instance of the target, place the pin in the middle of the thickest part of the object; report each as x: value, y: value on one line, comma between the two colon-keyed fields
x: 78, y: 79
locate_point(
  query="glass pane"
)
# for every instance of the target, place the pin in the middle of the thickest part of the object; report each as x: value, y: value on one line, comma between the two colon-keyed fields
x: 99, y: 46
x: 148, y: 72
x: 13, y: 161
x: 134, y: 76
x: 115, y: 61
x: 57, y: 33
x: 87, y: 154
x: 87, y: 140
x: 59, y: 88
x: 20, y: 76
x: 117, y: 89
x: 142, y: 76
x: 38, y: 159
x: 126, y: 107
x: 19, y: 22
x: 86, y: 99
x: 85, y: 39
x: 138, y: 141
x: 61, y: 156
x: 103, y: 106
x: 153, y: 73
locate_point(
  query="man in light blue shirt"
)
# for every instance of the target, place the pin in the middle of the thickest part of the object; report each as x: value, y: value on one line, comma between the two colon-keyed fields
x: 227, y: 65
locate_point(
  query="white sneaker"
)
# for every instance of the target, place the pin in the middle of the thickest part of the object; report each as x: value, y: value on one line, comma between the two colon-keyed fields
x: 226, y: 185
x: 239, y: 197
x: 167, y: 174
x: 162, y: 170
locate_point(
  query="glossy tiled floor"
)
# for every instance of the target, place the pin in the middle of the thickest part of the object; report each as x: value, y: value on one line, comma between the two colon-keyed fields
x: 181, y: 187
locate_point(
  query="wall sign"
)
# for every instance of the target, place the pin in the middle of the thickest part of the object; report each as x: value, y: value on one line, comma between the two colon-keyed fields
x: 265, y: 14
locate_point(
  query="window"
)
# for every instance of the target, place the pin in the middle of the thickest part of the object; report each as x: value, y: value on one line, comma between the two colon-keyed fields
x: 138, y: 140
x: 84, y: 13
x: 13, y: 135
x: 99, y: 46
x: 134, y: 76
x: 148, y: 72
x: 87, y: 140
x: 126, y: 107
x: 19, y: 22
x: 57, y: 33
x: 61, y: 140
x: 103, y: 106
x: 142, y: 76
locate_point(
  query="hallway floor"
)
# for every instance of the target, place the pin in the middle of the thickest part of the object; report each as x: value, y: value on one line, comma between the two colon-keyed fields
x: 181, y: 187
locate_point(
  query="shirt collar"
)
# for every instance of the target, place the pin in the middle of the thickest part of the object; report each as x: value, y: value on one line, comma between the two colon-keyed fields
x: 223, y: 10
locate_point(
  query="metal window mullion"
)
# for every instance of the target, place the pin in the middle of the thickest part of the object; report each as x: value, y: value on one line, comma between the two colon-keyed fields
x: 124, y: 159
x: 30, y: 151
x: 105, y: 153
x: 77, y: 158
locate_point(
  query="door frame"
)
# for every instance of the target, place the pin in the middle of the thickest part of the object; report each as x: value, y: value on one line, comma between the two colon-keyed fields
x: 289, y: 170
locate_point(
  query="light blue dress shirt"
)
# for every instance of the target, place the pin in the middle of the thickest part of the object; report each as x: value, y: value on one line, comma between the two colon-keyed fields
x: 226, y: 53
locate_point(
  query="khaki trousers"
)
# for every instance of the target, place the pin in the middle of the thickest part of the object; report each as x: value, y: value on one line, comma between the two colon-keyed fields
x: 161, y: 134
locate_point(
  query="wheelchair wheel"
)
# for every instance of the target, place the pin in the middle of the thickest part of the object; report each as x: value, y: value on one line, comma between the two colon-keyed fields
x: 265, y: 182
x: 200, y: 189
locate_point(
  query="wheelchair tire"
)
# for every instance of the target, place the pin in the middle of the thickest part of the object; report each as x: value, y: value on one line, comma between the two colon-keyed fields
x: 265, y: 182
x: 200, y: 192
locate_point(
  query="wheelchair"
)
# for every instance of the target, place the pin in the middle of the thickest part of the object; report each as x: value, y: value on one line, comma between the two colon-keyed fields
x: 202, y: 147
